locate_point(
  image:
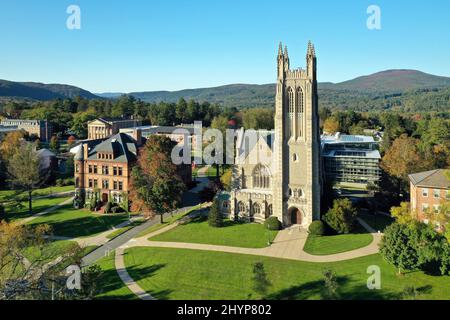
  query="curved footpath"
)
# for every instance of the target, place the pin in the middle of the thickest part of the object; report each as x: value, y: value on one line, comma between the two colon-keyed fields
x: 286, y: 245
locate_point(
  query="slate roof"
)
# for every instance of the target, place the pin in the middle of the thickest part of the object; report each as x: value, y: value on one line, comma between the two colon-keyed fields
x: 123, y: 147
x: 432, y: 178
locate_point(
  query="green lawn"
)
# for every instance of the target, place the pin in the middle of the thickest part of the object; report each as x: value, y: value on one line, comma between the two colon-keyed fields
x: 379, y: 222
x: 20, y: 212
x: 110, y: 285
x: 70, y: 222
x: 248, y: 235
x: 166, y: 222
x: 330, y: 244
x: 5, y: 194
x: 194, y: 274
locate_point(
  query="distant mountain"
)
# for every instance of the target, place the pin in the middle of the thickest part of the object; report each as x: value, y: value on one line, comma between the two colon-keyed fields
x: 353, y: 93
x: 41, y: 91
x: 110, y: 95
x: 395, y: 81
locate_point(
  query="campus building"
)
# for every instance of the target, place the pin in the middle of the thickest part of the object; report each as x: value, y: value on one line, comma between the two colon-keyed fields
x: 39, y: 128
x: 103, y: 168
x: 102, y: 128
x: 428, y: 190
x: 179, y: 134
x: 289, y: 185
x: 351, y: 160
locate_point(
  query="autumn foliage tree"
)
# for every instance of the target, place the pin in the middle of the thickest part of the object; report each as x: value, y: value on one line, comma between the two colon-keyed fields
x: 156, y: 187
x: 331, y: 125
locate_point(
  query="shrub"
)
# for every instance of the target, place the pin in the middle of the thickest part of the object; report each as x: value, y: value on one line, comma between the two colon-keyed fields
x: 272, y: 223
x: 316, y: 228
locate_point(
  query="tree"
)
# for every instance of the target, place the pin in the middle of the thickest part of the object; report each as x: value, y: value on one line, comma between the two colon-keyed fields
x: 402, y: 158
x: 330, y: 285
x: 331, y: 126
x: 258, y: 118
x: 2, y: 213
x: 261, y: 283
x: 403, y: 213
x: 215, y: 218
x: 11, y: 145
x: 341, y: 217
x: 225, y: 179
x: 156, y: 187
x: 25, y: 171
x: 398, y: 248
x: 32, y: 276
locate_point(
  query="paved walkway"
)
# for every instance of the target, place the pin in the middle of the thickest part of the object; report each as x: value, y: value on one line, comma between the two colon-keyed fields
x: 288, y: 244
x: 126, y: 278
x: 49, y: 210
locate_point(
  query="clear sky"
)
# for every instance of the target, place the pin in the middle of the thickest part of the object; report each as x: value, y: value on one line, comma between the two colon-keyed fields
x: 148, y: 45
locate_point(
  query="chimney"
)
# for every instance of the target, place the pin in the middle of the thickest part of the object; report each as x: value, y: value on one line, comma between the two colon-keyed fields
x: 137, y: 135
x: 85, y: 150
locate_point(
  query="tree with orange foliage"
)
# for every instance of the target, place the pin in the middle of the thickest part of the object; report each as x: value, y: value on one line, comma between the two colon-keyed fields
x: 156, y: 187
x: 331, y: 126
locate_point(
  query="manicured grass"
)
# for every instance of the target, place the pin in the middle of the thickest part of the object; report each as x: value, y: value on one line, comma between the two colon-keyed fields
x: 70, y: 222
x: 110, y: 285
x: 53, y: 250
x: 194, y: 274
x: 377, y: 221
x: 20, y: 212
x: 330, y: 244
x: 6, y: 194
x: 167, y: 221
x: 248, y: 235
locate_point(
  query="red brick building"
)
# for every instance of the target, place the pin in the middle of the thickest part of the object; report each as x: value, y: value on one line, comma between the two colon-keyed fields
x: 428, y: 190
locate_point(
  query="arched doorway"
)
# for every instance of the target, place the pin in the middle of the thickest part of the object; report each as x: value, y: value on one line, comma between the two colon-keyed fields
x: 295, y: 216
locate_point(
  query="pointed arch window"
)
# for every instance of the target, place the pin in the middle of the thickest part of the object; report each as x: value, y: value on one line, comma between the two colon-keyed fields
x: 261, y: 177
x: 291, y: 110
x: 300, y: 108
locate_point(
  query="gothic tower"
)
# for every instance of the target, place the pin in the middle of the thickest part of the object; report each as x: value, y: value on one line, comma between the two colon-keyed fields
x: 296, y: 189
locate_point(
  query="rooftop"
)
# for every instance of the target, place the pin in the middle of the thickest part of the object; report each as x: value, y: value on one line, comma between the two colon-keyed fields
x: 344, y: 138
x: 369, y: 154
x: 432, y: 178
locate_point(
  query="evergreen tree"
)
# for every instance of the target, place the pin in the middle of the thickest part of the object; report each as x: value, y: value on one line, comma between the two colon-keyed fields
x: 215, y: 218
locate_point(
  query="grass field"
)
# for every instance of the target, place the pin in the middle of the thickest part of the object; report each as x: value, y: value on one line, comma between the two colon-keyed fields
x: 248, y: 235
x: 39, y: 205
x: 330, y: 244
x: 70, y: 222
x: 166, y: 222
x: 5, y: 194
x: 110, y: 285
x: 379, y: 222
x: 204, y: 275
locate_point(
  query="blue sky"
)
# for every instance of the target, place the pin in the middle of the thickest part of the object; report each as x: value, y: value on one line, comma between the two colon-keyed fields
x: 172, y: 44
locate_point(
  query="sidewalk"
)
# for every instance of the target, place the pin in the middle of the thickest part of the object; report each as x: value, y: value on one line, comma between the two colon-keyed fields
x: 288, y: 244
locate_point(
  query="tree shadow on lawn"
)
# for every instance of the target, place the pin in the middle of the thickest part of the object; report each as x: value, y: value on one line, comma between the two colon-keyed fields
x: 314, y: 289
x: 141, y: 273
x: 85, y: 226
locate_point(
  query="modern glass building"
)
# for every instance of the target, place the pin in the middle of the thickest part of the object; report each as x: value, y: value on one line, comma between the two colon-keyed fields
x: 351, y: 159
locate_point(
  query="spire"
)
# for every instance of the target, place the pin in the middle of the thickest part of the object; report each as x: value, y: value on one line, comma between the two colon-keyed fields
x: 311, y: 50
x: 286, y: 52
x: 280, y: 49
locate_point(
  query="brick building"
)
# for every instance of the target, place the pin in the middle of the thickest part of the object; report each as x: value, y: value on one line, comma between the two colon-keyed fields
x: 428, y: 190
x: 103, y: 168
